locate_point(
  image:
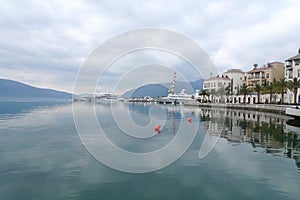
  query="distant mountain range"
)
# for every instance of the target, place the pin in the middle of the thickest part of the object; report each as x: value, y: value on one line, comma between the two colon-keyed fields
x: 10, y: 89
x: 152, y: 90
x: 161, y: 89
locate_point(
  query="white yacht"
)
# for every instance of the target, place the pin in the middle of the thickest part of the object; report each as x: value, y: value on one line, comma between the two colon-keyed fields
x: 180, y: 98
x: 96, y: 97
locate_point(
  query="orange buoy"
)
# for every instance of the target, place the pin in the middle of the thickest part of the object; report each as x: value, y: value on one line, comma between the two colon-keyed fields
x: 157, y: 128
x: 189, y: 120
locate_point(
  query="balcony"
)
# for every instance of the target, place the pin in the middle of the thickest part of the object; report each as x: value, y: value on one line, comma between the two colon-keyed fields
x: 255, y: 78
x: 289, y: 64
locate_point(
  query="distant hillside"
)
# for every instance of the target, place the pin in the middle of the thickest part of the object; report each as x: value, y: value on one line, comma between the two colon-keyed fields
x: 189, y: 87
x: 15, y: 90
x: 152, y: 90
x: 155, y: 90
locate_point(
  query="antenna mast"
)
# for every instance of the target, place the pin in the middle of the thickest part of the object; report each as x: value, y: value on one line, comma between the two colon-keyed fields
x: 171, y: 90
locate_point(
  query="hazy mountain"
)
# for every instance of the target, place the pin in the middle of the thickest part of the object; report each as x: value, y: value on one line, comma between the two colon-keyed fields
x: 155, y: 90
x: 152, y: 90
x: 189, y: 87
x: 10, y: 89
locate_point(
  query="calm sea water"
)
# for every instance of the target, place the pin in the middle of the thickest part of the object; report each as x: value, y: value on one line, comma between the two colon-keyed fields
x: 42, y: 157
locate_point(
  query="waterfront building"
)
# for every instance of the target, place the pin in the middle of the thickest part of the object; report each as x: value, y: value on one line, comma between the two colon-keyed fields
x: 292, y: 70
x: 274, y: 71
x: 216, y: 87
x: 237, y: 79
x: 214, y: 84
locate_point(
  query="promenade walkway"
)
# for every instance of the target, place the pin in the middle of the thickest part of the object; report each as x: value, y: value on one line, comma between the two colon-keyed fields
x: 274, y: 108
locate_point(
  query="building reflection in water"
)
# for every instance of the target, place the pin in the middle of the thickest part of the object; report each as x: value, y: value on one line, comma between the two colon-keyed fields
x: 277, y: 134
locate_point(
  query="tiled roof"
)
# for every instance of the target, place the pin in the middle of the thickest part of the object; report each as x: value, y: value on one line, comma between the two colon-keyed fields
x: 276, y: 62
x: 234, y: 71
x: 217, y: 78
x: 261, y: 69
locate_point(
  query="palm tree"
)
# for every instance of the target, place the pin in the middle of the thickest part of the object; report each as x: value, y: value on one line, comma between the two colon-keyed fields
x: 205, y: 93
x: 281, y: 86
x: 270, y: 89
x: 244, y: 90
x: 294, y: 85
x: 228, y: 91
x: 258, y: 88
x: 221, y: 91
x: 255, y: 66
x: 213, y: 93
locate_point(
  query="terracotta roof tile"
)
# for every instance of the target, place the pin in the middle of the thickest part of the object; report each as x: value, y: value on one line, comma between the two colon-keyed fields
x: 234, y: 70
x: 217, y: 78
x: 261, y: 69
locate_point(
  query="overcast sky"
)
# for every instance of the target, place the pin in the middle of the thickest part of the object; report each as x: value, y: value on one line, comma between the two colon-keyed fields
x: 44, y: 43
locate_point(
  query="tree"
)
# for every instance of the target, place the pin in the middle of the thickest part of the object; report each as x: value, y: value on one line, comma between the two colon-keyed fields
x: 281, y: 86
x: 221, y: 91
x: 228, y: 91
x: 255, y: 65
x: 270, y: 89
x: 205, y: 93
x: 244, y: 90
x: 258, y: 89
x: 212, y: 93
x: 294, y: 85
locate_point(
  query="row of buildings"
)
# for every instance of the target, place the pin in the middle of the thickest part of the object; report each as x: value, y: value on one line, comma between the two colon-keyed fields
x: 234, y: 79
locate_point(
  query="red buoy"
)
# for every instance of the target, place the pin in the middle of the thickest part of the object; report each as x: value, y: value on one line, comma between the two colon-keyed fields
x: 189, y: 120
x: 157, y: 128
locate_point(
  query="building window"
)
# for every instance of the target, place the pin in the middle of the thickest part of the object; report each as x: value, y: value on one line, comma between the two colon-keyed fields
x: 298, y: 72
x: 267, y: 75
x: 290, y: 72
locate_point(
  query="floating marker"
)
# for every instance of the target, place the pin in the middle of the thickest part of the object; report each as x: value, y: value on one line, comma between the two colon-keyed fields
x: 157, y: 128
x: 189, y: 120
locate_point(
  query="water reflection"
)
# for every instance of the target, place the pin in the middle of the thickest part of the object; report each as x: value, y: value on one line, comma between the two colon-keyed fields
x: 265, y: 132
x: 14, y: 108
x: 261, y: 130
x: 42, y: 158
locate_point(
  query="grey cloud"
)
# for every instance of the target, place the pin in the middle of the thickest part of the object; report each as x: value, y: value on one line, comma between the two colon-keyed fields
x: 57, y: 36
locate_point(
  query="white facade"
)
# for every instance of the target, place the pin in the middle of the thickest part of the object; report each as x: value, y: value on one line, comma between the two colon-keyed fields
x: 215, y: 83
x: 237, y: 79
x: 292, y: 70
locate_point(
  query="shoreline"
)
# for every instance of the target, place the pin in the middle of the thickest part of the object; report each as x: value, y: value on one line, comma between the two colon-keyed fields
x: 271, y: 108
